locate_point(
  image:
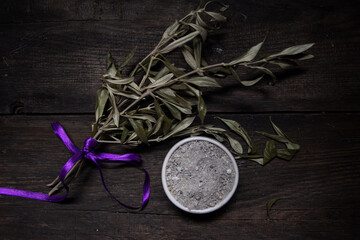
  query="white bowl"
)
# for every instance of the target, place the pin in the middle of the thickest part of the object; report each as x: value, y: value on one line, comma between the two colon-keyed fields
x: 218, y: 205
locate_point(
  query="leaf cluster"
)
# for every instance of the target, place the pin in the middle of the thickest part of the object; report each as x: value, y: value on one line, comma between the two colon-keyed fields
x: 270, y: 151
x: 158, y: 100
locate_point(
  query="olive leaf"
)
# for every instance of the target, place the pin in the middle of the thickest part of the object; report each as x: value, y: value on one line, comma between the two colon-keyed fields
x: 224, y: 7
x: 202, y: 31
x: 125, y: 94
x: 216, y: 16
x: 172, y: 97
x: 259, y: 160
x: 278, y: 138
x: 176, y: 101
x: 149, y: 127
x: 190, y: 60
x: 139, y: 130
x: 235, y: 144
x: 127, y: 60
x: 306, y: 57
x: 124, y: 134
x: 193, y: 89
x: 166, y: 122
x: 236, y: 127
x: 197, y: 45
x: 249, y: 55
x: 291, y: 147
x: 201, y: 108
x: 123, y: 81
x: 141, y: 117
x: 171, y: 29
x: 161, y: 73
x: 166, y: 92
x: 271, y: 203
x: 101, y: 98
x: 135, y: 88
x: 293, y: 50
x: 279, y: 131
x: 146, y: 63
x: 249, y: 83
x: 176, y: 71
x: 180, y: 127
x: 158, y: 109
x: 189, y: 131
x: 202, y: 81
x: 264, y: 70
x: 181, y: 108
x: 214, y: 129
x: 156, y: 127
x: 285, y: 154
x: 281, y: 137
x: 173, y: 110
x: 200, y: 21
x: 217, y: 137
x: 246, y: 83
x: 284, y: 63
x: 116, y: 114
x: 269, y: 151
x: 161, y: 81
x: 110, y: 65
x: 179, y: 42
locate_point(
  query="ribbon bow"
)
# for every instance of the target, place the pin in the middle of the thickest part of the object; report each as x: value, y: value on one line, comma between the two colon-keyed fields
x: 87, y: 152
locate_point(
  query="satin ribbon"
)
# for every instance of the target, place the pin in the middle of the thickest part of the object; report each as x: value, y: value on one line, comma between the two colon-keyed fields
x: 87, y: 152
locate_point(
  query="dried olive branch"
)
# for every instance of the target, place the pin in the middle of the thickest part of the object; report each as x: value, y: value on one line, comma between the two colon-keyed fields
x: 167, y: 99
x: 150, y: 91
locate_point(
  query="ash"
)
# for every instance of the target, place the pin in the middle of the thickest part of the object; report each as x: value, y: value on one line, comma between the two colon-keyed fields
x: 199, y: 175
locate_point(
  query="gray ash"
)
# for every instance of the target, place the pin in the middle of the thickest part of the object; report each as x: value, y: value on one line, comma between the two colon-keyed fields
x: 199, y: 174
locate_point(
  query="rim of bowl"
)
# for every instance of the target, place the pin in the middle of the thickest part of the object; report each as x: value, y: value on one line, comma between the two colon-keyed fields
x: 223, y: 201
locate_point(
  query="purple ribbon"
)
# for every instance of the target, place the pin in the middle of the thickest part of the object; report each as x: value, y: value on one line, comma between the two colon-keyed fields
x: 87, y: 152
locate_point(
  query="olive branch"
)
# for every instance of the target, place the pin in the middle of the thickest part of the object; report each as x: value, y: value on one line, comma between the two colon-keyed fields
x: 159, y: 100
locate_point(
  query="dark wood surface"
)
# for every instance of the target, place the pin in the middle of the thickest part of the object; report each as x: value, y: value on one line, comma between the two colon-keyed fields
x: 52, y: 55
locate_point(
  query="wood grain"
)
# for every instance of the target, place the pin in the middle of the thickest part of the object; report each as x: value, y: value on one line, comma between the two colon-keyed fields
x: 320, y: 187
x: 52, y: 57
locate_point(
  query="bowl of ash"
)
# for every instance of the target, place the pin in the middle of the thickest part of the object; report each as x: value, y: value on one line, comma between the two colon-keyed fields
x: 199, y: 175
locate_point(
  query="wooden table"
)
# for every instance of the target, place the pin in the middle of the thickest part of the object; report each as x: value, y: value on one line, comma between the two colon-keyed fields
x: 52, y: 55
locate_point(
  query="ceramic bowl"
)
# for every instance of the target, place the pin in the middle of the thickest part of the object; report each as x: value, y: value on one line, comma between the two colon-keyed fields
x: 219, y: 204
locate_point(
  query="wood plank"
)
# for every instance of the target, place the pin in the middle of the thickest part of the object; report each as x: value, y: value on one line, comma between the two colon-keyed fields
x: 26, y: 11
x: 320, y: 187
x: 52, y: 66
x: 76, y: 224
